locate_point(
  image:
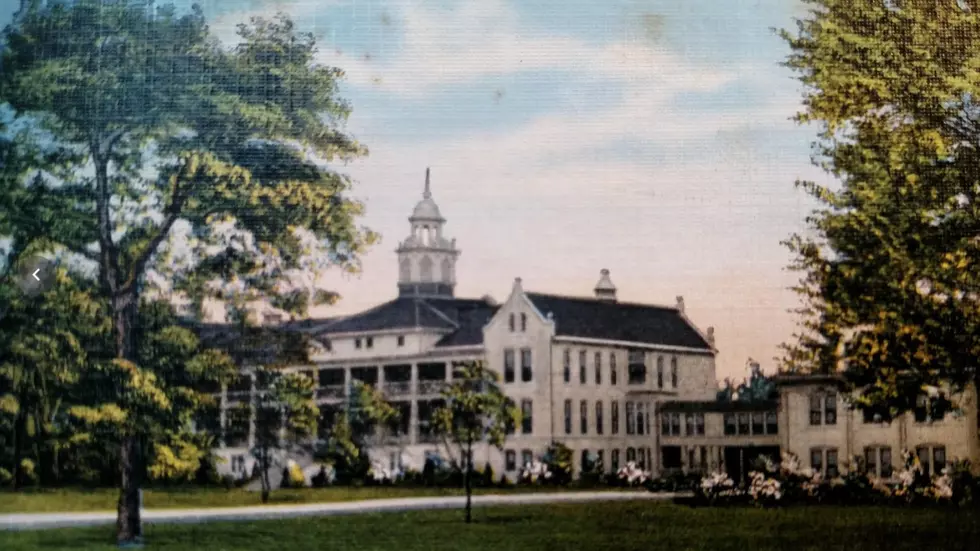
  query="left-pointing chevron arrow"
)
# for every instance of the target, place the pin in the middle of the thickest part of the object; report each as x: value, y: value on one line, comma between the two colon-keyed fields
x: 35, y: 274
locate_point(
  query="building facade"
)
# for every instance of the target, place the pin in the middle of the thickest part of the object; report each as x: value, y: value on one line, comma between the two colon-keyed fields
x: 615, y: 381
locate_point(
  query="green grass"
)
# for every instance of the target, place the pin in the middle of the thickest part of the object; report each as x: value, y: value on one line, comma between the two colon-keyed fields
x: 622, y: 526
x: 104, y: 499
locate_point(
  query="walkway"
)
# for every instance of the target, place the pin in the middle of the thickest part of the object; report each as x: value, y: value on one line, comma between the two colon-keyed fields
x: 40, y: 521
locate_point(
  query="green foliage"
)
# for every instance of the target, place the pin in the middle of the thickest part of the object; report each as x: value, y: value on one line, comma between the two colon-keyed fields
x: 889, y: 272
x: 346, y: 448
x: 558, y: 458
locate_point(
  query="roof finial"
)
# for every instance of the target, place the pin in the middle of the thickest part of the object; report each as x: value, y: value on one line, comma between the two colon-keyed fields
x: 427, y: 193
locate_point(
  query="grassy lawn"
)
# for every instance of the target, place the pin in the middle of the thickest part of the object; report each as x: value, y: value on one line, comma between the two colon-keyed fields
x: 594, y: 526
x: 76, y: 500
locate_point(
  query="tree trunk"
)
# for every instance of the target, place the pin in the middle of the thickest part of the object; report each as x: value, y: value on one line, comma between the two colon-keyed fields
x: 129, y: 530
x: 128, y: 524
x: 467, y: 480
x: 265, y: 476
x: 20, y: 425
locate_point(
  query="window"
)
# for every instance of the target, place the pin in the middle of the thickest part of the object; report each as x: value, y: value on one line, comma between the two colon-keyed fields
x: 238, y: 464
x: 675, y: 424
x: 923, y: 411
x: 691, y: 458
x: 823, y: 409
x: 568, y: 417
x: 581, y: 367
x: 815, y: 413
x: 526, y: 457
x: 599, y: 429
x: 598, y: 368
x: 614, y: 460
x: 824, y: 461
x: 510, y: 460
x: 665, y: 424
x: 600, y: 461
x: 660, y: 371
x: 830, y: 409
x: 567, y: 357
x: 370, y: 342
x: 523, y: 322
x: 673, y: 372
x: 526, y: 369
x: 612, y: 368
x: 630, y: 420
x: 641, y: 459
x: 758, y: 422
x: 689, y: 424
x: 508, y: 365
x: 614, y: 417
x: 584, y: 463
x: 526, y: 420
x: 401, y: 340
x: 730, y: 424
x: 670, y: 423
x: 511, y: 323
x: 878, y: 461
x: 637, y: 368
x: 699, y: 424
x: 640, y: 425
x: 583, y: 412
x: 772, y: 423
x: 934, y: 462
x: 357, y: 344
x: 743, y: 423
x: 630, y: 455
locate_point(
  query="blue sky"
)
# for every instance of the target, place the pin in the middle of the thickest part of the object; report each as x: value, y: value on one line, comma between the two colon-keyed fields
x: 647, y: 137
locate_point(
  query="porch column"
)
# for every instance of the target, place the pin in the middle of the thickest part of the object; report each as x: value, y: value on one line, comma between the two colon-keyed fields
x: 222, y: 416
x: 413, y: 420
x: 253, y: 399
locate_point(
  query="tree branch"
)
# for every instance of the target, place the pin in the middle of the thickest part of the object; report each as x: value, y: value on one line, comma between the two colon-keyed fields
x: 173, y: 212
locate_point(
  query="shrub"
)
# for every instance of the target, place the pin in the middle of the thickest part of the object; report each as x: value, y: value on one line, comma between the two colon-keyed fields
x: 487, y: 478
x: 558, y: 460
x: 286, y: 482
x: 320, y: 479
x: 228, y: 481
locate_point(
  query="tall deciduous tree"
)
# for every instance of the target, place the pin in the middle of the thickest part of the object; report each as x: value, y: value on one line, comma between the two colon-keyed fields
x: 476, y: 411
x: 171, y: 128
x: 890, y: 271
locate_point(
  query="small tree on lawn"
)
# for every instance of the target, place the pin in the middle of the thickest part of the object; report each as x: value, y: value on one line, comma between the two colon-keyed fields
x: 285, y: 420
x: 476, y: 410
x: 350, y: 437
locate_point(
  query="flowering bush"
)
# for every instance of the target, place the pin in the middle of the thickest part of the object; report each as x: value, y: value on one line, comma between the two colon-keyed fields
x: 534, y: 472
x: 632, y: 475
x: 764, y: 489
x: 716, y: 488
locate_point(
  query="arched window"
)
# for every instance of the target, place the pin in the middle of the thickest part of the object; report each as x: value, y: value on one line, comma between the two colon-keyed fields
x: 447, y: 271
x: 612, y: 368
x: 630, y: 455
x: 673, y: 372
x: 405, y: 270
x: 512, y: 323
x: 660, y: 371
x: 425, y: 269
x: 523, y: 322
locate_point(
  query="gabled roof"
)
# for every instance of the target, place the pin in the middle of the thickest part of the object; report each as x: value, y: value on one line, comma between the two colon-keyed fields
x: 619, y: 321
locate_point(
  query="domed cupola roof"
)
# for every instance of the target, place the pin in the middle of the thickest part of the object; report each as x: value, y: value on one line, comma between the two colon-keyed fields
x: 427, y: 209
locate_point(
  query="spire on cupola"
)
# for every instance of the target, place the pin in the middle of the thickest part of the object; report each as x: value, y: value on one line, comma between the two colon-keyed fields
x: 426, y: 259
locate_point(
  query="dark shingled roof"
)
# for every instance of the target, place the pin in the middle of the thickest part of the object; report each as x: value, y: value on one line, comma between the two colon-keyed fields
x: 252, y: 345
x: 715, y: 406
x: 463, y: 319
x: 620, y: 321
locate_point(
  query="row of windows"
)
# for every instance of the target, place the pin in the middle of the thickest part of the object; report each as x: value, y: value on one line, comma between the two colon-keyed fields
x: 756, y: 423
x: 823, y: 410
x: 368, y: 342
x: 637, y: 372
x: 587, y: 460
x: 509, y: 367
x: 878, y: 460
x: 637, y: 418
x: 670, y: 424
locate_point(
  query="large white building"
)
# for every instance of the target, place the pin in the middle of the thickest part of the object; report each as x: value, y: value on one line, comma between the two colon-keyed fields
x: 611, y: 379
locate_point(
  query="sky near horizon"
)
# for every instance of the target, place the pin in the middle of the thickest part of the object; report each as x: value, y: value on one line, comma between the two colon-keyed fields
x: 651, y: 138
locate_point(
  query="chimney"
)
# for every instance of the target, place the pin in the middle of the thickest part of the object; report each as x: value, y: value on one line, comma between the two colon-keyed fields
x: 604, y: 289
x: 680, y: 304
x: 711, y: 336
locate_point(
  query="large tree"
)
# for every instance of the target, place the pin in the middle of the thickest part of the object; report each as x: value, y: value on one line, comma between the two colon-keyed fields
x: 170, y: 128
x: 890, y: 266
x: 476, y: 411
